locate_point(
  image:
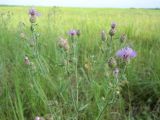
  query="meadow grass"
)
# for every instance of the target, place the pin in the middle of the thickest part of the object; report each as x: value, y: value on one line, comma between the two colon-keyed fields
x: 78, y: 85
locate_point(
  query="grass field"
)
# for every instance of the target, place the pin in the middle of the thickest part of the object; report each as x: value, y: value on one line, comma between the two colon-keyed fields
x: 39, y: 78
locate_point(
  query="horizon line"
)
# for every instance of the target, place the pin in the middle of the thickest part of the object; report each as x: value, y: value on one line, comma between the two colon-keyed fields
x: 63, y: 6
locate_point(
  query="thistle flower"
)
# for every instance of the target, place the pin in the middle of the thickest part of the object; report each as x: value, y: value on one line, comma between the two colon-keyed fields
x: 33, y: 12
x: 72, y: 32
x: 113, y: 25
x: 103, y: 36
x: 26, y: 60
x: 112, y: 62
x: 126, y: 53
x: 112, y: 32
x: 123, y: 38
x: 63, y: 43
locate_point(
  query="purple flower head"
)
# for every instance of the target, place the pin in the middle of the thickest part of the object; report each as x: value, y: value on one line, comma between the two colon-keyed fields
x: 72, y: 32
x: 33, y: 12
x: 113, y: 25
x: 126, y: 53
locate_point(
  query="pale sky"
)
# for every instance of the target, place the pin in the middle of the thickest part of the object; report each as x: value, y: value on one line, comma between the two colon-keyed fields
x: 87, y: 3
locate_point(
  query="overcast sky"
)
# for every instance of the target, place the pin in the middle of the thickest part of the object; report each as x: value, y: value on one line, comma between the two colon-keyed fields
x: 87, y: 3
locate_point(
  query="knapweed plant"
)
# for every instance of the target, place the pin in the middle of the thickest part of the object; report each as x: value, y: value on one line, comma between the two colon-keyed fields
x: 76, y: 64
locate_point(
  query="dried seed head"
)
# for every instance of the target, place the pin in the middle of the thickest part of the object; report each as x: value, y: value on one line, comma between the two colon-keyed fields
x: 112, y: 63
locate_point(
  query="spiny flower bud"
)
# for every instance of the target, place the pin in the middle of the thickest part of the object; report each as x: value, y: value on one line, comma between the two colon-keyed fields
x: 63, y: 43
x: 116, y: 72
x: 22, y: 35
x: 112, y: 63
x: 78, y: 33
x: 103, y: 36
x: 113, y: 25
x: 88, y: 66
x: 112, y: 32
x: 123, y: 38
x: 32, y: 19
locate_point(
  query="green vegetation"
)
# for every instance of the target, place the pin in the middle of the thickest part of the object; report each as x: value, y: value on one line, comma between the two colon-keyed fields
x: 78, y: 84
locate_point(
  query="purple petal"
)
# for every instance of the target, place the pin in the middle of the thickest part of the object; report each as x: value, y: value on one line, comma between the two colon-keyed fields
x: 133, y: 54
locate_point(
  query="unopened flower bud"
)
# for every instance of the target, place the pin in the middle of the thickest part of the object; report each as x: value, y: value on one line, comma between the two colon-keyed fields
x: 63, y: 43
x: 112, y: 32
x: 26, y: 60
x: 78, y: 33
x: 113, y: 25
x: 103, y: 36
x: 123, y: 38
x: 33, y: 19
x: 112, y: 63
x: 88, y: 66
x: 22, y: 35
x: 116, y: 72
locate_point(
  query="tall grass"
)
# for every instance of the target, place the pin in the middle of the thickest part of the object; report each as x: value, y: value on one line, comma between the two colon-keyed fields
x: 89, y: 91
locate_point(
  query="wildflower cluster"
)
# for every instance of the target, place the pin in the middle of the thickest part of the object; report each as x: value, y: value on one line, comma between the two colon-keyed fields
x: 70, y: 53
